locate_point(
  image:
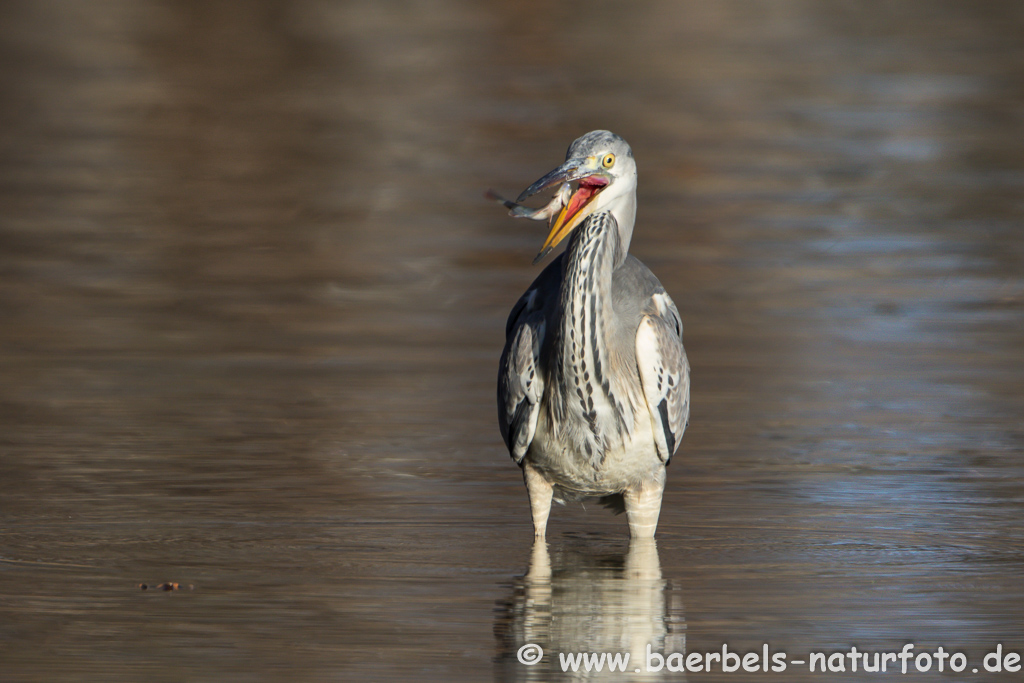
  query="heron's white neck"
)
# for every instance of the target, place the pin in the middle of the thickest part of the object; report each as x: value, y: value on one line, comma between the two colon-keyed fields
x: 623, y: 209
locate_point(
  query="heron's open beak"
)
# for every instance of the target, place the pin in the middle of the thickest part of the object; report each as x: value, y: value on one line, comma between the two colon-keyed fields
x: 592, y: 179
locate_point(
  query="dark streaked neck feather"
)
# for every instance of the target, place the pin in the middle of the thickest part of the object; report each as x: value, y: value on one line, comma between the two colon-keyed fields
x: 583, y: 362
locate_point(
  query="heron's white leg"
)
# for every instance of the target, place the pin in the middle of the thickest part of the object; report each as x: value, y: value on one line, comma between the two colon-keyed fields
x: 540, y: 492
x: 643, y: 505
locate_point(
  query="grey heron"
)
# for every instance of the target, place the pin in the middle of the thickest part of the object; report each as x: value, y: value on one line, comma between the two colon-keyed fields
x: 593, y: 384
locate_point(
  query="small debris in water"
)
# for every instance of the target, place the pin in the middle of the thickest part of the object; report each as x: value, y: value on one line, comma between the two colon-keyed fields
x: 167, y: 586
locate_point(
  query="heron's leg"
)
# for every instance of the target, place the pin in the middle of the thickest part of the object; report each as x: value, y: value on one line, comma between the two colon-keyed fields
x: 540, y: 492
x: 643, y: 505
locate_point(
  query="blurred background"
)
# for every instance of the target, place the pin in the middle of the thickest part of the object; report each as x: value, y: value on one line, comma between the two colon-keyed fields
x: 252, y: 302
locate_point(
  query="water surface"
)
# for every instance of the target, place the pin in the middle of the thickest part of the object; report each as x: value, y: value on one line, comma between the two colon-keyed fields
x: 253, y: 302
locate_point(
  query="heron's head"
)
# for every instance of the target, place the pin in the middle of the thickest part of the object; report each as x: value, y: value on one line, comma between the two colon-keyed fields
x: 602, y: 164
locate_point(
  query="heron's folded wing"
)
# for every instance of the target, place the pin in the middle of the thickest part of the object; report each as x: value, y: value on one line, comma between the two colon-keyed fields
x: 520, y: 383
x: 664, y: 372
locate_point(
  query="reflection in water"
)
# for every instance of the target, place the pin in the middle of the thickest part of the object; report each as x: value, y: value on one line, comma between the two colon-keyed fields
x: 588, y: 602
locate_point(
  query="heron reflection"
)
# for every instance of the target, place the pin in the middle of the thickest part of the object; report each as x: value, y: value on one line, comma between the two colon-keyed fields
x: 582, y: 600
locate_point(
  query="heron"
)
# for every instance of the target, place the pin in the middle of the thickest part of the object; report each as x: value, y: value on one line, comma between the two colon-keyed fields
x: 593, y: 383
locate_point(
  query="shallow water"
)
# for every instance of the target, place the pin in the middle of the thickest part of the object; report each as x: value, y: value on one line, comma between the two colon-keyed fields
x: 253, y: 302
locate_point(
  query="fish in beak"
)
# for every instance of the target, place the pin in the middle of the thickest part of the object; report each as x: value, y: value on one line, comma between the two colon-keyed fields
x: 571, y: 207
x: 546, y: 212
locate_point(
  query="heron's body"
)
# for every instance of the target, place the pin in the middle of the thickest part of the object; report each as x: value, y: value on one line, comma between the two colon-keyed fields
x: 593, y: 388
x: 597, y: 438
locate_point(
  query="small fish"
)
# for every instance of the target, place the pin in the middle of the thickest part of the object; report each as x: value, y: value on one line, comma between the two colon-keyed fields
x: 547, y: 212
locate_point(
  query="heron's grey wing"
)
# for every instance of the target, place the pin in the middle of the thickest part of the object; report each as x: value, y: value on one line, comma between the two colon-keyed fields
x: 664, y: 372
x: 520, y: 381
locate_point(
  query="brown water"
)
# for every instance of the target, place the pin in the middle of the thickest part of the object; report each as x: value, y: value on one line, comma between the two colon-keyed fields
x: 253, y: 301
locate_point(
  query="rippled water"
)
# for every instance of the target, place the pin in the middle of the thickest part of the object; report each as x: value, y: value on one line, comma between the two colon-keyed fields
x: 253, y: 301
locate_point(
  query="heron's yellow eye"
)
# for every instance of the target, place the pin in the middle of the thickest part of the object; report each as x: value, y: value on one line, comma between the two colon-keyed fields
x: 608, y: 161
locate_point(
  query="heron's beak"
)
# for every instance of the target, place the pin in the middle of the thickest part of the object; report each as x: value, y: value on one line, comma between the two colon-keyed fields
x: 592, y: 179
